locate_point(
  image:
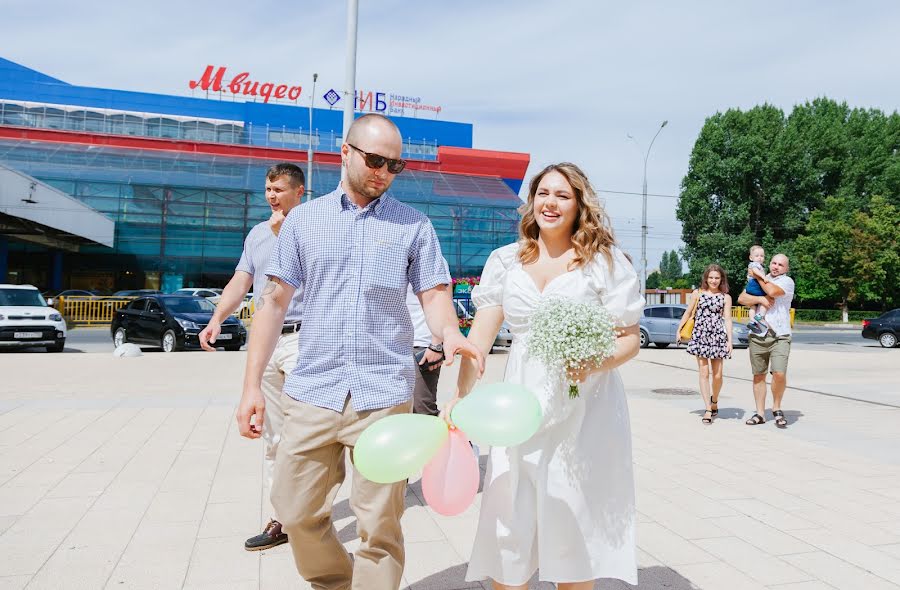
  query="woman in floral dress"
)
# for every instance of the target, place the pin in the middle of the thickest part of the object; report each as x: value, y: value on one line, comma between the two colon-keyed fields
x: 711, y: 338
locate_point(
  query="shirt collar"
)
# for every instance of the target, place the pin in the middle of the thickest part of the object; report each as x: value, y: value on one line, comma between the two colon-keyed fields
x: 375, y: 207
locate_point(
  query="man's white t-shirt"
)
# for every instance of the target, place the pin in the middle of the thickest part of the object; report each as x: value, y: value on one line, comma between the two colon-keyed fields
x: 421, y: 332
x: 779, y: 315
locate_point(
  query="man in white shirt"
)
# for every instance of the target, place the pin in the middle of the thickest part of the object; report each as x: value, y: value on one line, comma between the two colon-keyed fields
x: 769, y: 352
x: 429, y: 354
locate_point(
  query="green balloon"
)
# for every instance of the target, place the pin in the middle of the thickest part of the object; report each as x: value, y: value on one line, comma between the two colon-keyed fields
x: 397, y: 447
x: 498, y: 415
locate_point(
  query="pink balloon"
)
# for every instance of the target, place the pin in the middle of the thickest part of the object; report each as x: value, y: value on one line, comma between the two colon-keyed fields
x: 450, y: 479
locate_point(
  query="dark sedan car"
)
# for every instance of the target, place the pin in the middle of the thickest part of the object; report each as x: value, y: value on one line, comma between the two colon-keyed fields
x: 172, y: 322
x: 885, y: 328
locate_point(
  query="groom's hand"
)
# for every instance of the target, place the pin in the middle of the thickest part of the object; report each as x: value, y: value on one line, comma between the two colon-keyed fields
x: 455, y: 343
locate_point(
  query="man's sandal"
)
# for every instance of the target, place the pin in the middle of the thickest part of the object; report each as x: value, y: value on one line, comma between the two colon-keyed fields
x: 755, y: 419
x: 705, y: 419
x: 780, y: 421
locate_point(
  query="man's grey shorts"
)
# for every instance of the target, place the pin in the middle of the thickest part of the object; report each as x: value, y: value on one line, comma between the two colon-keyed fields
x: 769, y: 353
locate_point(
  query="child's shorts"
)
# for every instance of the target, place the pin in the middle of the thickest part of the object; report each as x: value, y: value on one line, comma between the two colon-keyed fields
x: 753, y: 288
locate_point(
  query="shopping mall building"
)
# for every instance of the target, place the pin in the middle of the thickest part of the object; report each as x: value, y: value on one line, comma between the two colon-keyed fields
x: 112, y: 189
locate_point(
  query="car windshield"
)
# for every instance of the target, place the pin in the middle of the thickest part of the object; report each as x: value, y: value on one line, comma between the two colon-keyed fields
x: 188, y: 305
x: 21, y: 298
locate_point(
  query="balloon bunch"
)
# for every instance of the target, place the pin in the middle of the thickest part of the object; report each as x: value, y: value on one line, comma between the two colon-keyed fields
x: 397, y: 447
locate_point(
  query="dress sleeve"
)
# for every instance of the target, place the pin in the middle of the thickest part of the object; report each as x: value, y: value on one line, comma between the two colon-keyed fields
x: 489, y: 291
x: 618, y: 288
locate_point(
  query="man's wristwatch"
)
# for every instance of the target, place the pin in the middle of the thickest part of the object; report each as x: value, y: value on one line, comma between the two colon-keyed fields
x: 436, y: 348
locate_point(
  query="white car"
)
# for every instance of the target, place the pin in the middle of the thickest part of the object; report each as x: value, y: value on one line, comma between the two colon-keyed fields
x: 211, y: 295
x: 26, y: 320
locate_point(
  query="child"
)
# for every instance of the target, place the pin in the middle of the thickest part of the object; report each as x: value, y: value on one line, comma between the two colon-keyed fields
x: 755, y: 273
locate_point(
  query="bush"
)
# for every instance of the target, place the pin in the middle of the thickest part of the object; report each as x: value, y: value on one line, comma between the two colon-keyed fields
x: 831, y: 315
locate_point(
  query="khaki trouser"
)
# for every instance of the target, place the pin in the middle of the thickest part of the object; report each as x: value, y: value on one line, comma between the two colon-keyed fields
x: 309, y: 470
x: 283, y: 361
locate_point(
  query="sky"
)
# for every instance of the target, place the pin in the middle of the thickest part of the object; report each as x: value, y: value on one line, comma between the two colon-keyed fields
x: 562, y: 81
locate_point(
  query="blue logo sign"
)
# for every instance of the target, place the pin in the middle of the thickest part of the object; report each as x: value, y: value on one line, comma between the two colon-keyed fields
x: 331, y: 97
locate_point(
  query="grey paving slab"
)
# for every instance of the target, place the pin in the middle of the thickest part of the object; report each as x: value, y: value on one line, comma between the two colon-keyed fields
x: 138, y: 479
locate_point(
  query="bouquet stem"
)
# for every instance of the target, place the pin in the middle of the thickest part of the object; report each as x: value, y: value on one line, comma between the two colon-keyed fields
x: 573, y: 390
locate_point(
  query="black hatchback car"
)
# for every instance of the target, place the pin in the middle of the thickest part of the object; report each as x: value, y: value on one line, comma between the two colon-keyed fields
x: 885, y: 328
x: 172, y: 322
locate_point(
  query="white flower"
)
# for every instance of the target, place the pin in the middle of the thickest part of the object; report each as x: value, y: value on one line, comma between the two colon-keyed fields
x: 566, y: 334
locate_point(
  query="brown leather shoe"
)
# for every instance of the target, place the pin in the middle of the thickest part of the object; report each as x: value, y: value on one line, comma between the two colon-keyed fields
x: 270, y: 537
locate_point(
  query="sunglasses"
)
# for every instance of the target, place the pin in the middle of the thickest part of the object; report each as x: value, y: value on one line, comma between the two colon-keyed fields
x: 375, y: 161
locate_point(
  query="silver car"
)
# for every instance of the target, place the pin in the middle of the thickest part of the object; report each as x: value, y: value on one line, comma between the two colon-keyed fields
x: 659, y: 326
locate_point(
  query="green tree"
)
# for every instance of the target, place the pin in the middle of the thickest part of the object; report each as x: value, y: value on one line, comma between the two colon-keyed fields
x: 733, y: 195
x: 756, y: 177
x: 653, y: 280
x: 849, y: 255
x: 670, y: 267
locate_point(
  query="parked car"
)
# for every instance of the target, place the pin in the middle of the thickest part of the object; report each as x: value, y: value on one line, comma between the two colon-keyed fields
x: 504, y: 337
x: 211, y: 295
x: 26, y: 320
x: 885, y: 328
x: 659, y: 326
x: 172, y: 322
x: 136, y: 292
x: 465, y: 310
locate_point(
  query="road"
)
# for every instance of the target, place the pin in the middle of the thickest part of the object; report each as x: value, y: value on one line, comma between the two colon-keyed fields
x: 807, y: 337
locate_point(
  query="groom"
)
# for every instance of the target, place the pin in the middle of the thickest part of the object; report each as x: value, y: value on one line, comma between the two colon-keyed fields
x: 354, y: 251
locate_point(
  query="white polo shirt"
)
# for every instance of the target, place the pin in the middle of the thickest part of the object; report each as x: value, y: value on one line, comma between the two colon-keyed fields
x: 779, y: 315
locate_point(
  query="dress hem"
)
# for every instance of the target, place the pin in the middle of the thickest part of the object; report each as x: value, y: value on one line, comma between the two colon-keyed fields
x: 633, y: 580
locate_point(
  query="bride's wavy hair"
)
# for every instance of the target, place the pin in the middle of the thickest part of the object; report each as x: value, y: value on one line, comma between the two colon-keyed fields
x: 592, y: 233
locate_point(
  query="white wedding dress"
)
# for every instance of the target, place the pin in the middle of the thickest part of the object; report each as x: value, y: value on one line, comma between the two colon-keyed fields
x: 563, y: 502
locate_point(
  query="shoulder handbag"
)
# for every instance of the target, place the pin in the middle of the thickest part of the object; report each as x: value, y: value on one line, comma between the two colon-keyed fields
x: 685, y: 334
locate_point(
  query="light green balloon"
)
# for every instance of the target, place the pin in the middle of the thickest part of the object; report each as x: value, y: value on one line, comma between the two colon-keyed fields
x: 397, y: 447
x: 498, y: 415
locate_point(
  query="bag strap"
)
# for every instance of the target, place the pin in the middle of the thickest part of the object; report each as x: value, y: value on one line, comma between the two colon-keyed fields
x: 694, y: 302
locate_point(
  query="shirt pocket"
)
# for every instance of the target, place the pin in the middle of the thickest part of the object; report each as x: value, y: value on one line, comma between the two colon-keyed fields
x: 388, y: 261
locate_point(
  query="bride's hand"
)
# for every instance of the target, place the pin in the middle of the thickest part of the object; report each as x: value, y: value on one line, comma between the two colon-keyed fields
x: 581, y: 374
x: 448, y: 409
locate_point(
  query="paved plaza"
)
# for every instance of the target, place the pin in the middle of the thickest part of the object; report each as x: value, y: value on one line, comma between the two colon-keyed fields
x: 130, y: 473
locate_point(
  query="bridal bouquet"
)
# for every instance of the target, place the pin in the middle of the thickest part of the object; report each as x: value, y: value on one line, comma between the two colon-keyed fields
x: 568, y: 335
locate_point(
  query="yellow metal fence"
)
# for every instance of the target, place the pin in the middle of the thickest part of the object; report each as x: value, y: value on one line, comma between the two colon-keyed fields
x: 743, y: 313
x: 98, y: 311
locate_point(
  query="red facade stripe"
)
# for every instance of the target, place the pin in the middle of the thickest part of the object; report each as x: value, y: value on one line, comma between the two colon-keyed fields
x: 450, y: 160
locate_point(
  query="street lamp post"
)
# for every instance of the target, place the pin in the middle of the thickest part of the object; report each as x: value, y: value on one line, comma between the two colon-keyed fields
x: 309, y: 153
x: 350, y: 67
x: 644, y: 214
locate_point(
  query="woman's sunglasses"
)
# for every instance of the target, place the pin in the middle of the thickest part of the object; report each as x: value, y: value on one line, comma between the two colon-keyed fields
x: 375, y: 161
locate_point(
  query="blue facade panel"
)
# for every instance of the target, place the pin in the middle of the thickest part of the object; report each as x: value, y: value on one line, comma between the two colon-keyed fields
x: 20, y: 83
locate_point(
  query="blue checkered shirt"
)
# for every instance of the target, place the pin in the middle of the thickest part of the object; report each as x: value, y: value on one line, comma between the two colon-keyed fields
x: 258, y: 248
x: 354, y: 265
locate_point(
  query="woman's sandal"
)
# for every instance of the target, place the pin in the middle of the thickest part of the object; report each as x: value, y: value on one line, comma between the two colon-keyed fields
x: 715, y: 408
x: 780, y: 421
x: 705, y: 419
x: 755, y: 419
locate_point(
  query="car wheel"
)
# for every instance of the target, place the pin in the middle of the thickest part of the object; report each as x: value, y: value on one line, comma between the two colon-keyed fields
x: 119, y: 338
x: 662, y: 345
x: 888, y: 340
x: 169, y: 341
x: 58, y: 347
x: 645, y: 339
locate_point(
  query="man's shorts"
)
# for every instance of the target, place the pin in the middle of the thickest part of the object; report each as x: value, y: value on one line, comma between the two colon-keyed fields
x: 769, y: 353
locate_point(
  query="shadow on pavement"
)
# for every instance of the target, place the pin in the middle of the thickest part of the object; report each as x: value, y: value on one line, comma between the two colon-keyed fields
x: 649, y: 578
x: 724, y: 414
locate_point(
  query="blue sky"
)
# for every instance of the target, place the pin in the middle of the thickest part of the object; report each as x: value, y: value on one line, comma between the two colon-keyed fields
x: 561, y: 81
